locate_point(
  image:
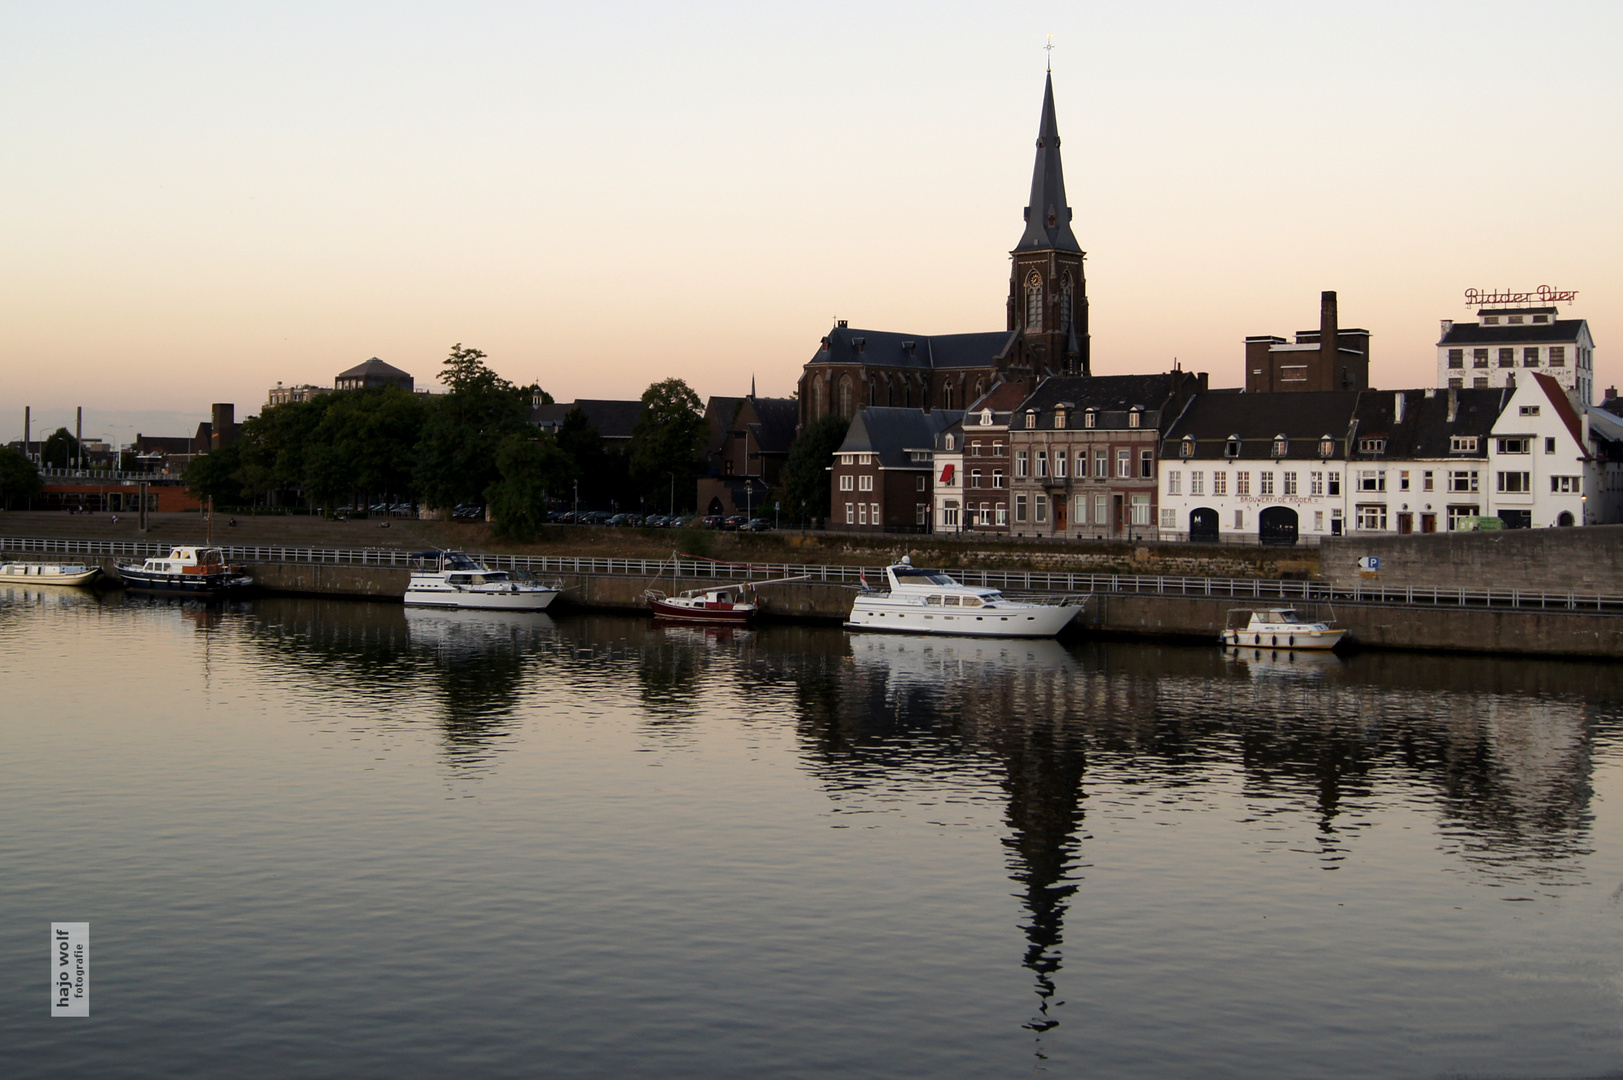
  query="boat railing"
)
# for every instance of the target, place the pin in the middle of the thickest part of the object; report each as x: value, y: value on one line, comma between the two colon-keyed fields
x: 1010, y: 582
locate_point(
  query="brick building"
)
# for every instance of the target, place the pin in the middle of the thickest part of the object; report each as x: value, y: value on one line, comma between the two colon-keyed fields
x: 882, y: 478
x: 1085, y: 452
x: 1328, y: 358
x: 748, y: 448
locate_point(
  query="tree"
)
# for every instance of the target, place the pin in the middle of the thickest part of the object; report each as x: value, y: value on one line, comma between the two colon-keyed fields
x: 19, y: 479
x: 456, y: 458
x: 667, y: 445
x: 532, y: 466
x: 805, y: 474
x: 272, y: 447
x: 365, y: 443
x: 214, y: 476
x: 60, y: 450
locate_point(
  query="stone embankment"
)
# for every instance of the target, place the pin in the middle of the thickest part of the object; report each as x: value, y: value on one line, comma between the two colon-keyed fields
x: 1552, y: 592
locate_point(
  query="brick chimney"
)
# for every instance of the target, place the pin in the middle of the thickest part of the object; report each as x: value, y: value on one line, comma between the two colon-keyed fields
x: 1329, y: 333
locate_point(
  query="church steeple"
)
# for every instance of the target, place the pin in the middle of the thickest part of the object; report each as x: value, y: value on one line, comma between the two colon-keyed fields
x: 1048, y: 216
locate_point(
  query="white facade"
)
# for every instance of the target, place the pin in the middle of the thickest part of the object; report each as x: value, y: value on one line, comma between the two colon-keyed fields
x: 1541, y: 465
x: 1508, y: 345
x: 1239, y: 492
x: 947, y: 511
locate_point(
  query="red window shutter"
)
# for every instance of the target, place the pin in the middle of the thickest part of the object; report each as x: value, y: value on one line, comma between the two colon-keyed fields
x: 946, y: 474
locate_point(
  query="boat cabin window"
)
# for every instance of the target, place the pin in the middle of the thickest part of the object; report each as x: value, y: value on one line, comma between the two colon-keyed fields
x: 459, y: 579
x: 936, y: 600
x: 950, y: 601
x: 907, y: 575
x: 972, y: 601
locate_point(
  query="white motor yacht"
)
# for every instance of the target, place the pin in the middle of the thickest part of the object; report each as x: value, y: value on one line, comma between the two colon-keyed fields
x: 1278, y: 628
x: 923, y: 601
x: 450, y: 579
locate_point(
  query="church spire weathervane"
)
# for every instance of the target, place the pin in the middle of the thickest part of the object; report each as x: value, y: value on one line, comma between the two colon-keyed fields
x: 1049, y: 49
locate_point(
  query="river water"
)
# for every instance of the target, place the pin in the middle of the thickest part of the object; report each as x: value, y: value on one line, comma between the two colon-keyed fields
x: 336, y: 839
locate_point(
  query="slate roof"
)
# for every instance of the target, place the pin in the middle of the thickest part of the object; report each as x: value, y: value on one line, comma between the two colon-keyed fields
x: 1561, y: 331
x: 611, y: 419
x: 882, y: 348
x: 776, y: 429
x: 1302, y: 416
x: 1048, y: 215
x: 376, y: 369
x: 890, y: 433
x: 1425, y: 431
x: 1106, y: 393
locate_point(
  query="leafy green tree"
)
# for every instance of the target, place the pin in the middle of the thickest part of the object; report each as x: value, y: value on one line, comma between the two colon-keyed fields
x: 365, y: 444
x: 214, y: 475
x: 19, y: 479
x: 61, y: 449
x: 667, y: 445
x: 272, y: 447
x: 805, y: 474
x: 532, y: 468
x: 456, y: 458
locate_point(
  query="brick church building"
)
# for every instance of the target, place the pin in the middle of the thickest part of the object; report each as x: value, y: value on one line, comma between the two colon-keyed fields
x: 1046, y: 332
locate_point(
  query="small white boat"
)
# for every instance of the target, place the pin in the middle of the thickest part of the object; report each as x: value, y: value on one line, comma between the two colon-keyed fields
x: 450, y: 579
x: 195, y: 570
x: 930, y: 602
x: 733, y: 604
x: 48, y: 573
x: 1278, y: 628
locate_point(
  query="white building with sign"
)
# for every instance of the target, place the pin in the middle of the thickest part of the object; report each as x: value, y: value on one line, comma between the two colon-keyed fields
x: 1507, y: 344
x: 1553, y: 464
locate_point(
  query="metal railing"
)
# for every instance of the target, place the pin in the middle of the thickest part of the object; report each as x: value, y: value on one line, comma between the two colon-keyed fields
x: 1253, y: 590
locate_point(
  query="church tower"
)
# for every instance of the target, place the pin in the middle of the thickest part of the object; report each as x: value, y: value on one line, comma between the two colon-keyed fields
x: 1048, y: 298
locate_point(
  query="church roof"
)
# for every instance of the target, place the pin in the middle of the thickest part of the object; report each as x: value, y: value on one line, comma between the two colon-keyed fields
x: 1048, y: 216
x: 776, y: 429
x: 881, y: 348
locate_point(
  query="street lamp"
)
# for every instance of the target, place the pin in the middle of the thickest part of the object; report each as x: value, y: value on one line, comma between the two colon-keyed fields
x: 577, y: 503
x: 673, y: 494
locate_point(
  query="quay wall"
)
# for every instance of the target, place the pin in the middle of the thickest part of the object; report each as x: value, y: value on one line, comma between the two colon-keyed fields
x: 1587, y: 560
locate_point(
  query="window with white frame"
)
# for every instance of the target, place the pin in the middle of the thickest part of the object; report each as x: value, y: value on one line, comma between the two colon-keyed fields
x: 1220, y: 483
x: 1141, y: 509
x: 1281, y: 445
x: 873, y: 509
x: 850, y: 513
x: 1124, y: 464
x: 1242, y: 483
x: 1080, y: 515
x: 1239, y: 519
x: 1371, y: 517
x: 1427, y: 483
x: 1332, y: 483
x: 1371, y: 480
x: 1022, y: 463
x: 1101, y: 511
x: 1515, y: 483
x: 865, y: 483
x: 1031, y: 419
x: 848, y: 459
x: 921, y: 514
x: 1002, y: 513
x: 1528, y: 410
x: 1549, y: 446
x: 1290, y: 483
x: 862, y: 513
x: 1315, y: 483
x: 1174, y: 482
x: 1090, y: 419
x: 1081, y: 464
x: 1186, y: 447
x: 1040, y: 509
x: 1372, y: 446
x: 1231, y: 449
x: 1463, y: 481
x: 1019, y: 509
x: 1520, y: 445
x: 1318, y: 521
x: 1101, y: 463
x: 864, y: 459
x: 1327, y: 447
x: 1169, y: 519
x: 1197, y: 483
x: 1146, y: 464
x: 1566, y: 485
x: 1042, y: 463
x: 949, y: 515
x: 997, y: 478
x: 1265, y: 483
x: 1060, y: 460
x: 1135, y: 419
x: 1455, y: 513
x: 848, y: 482
x: 974, y: 478
x: 919, y: 482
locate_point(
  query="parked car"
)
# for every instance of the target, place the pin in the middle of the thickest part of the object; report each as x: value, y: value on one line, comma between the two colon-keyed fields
x: 401, y: 509
x: 758, y: 525
x: 468, y: 512
x: 674, y: 523
x: 655, y: 521
x: 596, y: 517
x: 734, y: 522
x: 711, y: 521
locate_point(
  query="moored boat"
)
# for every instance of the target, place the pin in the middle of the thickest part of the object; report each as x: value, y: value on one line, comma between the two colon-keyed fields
x: 733, y: 604
x: 186, y: 569
x: 21, y: 573
x: 1278, y: 628
x: 451, y: 579
x: 921, y: 601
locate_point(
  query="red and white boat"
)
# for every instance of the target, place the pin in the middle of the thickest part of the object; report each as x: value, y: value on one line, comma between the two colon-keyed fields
x: 724, y: 604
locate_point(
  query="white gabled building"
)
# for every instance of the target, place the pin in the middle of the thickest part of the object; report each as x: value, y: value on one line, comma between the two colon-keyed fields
x: 1551, y: 463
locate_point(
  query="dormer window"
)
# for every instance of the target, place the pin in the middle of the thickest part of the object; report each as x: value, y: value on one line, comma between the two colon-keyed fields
x: 1490, y: 320
x: 1134, y: 418
x: 1031, y: 419
x: 948, y: 443
x: 1232, y: 447
x: 986, y: 418
x: 1372, y: 446
x: 1327, y: 447
x: 1541, y: 318
x: 1090, y: 419
x: 1187, y: 447
x: 1280, y: 445
x: 1059, y: 418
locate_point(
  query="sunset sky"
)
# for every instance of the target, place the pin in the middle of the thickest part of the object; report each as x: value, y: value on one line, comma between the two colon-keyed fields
x: 201, y: 200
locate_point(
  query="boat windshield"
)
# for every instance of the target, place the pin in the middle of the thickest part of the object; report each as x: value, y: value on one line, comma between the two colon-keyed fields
x: 906, y: 575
